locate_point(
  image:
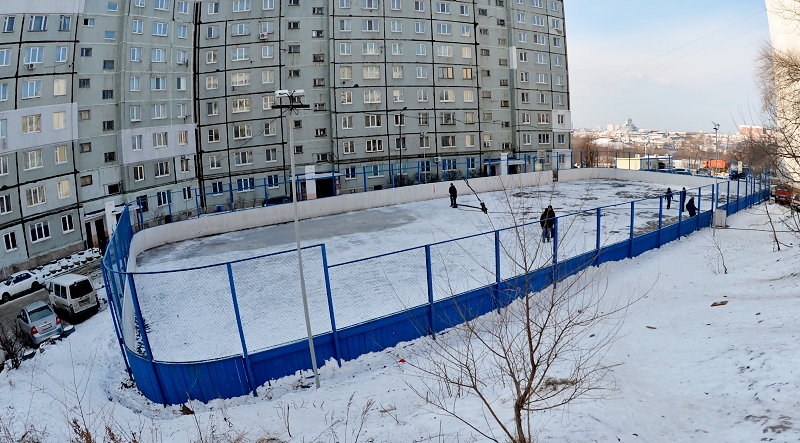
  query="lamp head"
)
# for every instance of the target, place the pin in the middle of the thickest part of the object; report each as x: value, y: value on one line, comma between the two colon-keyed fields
x: 298, y: 93
x: 281, y: 93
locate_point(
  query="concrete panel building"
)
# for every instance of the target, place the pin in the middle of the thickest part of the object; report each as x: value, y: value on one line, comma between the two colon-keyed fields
x: 169, y: 103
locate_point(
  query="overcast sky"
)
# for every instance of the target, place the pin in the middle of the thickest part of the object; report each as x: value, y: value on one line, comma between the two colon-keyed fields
x: 655, y: 62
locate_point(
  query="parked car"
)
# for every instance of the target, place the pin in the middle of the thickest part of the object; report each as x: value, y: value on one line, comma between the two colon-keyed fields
x: 73, y: 294
x: 783, y: 193
x: 796, y: 202
x: 18, y: 284
x: 683, y: 171
x: 703, y: 172
x: 38, y: 323
x: 278, y: 200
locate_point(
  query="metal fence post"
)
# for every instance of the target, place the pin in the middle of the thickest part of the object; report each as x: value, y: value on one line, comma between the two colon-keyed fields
x: 429, y: 275
x: 251, y: 381
x: 738, y: 197
x: 497, y: 278
x: 660, y: 217
x: 111, y: 293
x: 555, y: 242
x: 266, y: 191
x: 597, y: 239
x: 197, y: 201
x: 333, y: 178
x: 143, y: 333
x: 699, y: 204
x: 630, y: 249
x: 391, y: 175
x: 169, y: 204
x: 330, y: 306
x: 728, y: 199
x: 680, y: 212
x: 364, y: 175
x: 230, y: 195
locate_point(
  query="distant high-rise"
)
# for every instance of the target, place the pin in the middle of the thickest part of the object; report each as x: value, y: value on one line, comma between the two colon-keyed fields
x: 151, y: 100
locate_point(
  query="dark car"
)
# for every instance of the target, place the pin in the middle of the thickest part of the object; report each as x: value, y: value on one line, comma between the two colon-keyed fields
x: 278, y: 200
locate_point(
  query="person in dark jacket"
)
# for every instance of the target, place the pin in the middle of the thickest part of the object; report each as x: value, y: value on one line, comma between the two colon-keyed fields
x: 547, y: 221
x: 690, y: 206
x: 683, y: 199
x: 668, y: 197
x: 453, y: 196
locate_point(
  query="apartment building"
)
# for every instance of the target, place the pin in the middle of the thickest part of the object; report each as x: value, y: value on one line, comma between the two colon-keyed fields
x: 170, y: 103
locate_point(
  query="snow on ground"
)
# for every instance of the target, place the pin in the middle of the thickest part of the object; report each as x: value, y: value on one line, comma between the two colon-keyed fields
x: 705, y: 374
x: 267, y: 288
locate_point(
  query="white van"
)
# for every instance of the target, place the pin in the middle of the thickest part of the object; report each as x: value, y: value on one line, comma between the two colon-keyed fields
x: 73, y: 294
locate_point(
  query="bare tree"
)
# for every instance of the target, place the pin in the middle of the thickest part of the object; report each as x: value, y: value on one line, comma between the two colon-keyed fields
x: 544, y: 350
x: 587, y: 149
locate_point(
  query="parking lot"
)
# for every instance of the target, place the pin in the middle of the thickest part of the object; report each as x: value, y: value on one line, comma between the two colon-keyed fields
x: 9, y: 311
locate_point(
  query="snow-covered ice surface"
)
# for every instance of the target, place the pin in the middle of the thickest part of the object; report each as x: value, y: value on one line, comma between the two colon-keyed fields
x: 268, y: 290
x: 721, y: 374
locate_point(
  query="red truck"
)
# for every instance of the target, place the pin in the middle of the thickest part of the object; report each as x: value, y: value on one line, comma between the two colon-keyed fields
x: 783, y: 193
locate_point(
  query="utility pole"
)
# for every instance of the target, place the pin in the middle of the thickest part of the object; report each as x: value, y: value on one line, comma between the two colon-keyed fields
x: 294, y: 104
x: 716, y: 161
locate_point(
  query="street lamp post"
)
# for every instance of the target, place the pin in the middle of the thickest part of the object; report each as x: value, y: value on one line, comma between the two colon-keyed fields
x: 716, y: 161
x: 294, y: 98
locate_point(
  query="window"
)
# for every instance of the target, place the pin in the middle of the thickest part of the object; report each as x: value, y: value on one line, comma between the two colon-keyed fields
x: 136, y: 142
x: 372, y: 96
x: 161, y: 5
x: 448, y: 118
x: 183, y: 7
x: 240, y: 79
x: 212, y: 108
x: 469, y: 96
x: 397, y: 26
x: 444, y: 28
x: 241, y: 5
x: 88, y: 22
x: 39, y: 231
x: 375, y: 145
x: 183, y: 137
x: 271, y: 155
x: 294, y: 25
x: 60, y: 120
x: 347, y: 122
x: 135, y: 84
x: 138, y: 173
x: 267, y: 51
x: 110, y: 35
x: 372, y: 121
x: 108, y: 94
x: 542, y: 98
x: 344, y: 48
x: 5, y: 204
x: 240, y: 105
x: 240, y: 29
x: 419, y: 27
x: 422, y: 95
x: 213, y: 8
x: 270, y: 128
x: 423, y: 119
x: 63, y: 189
x: 557, y: 42
x: 345, y: 72
x: 446, y: 95
x: 84, y: 114
x: 469, y: 141
x: 31, y: 123
x: 10, y: 239
x: 544, y: 139
x: 35, y: 196
x: 544, y: 118
x: 317, y: 33
x: 181, y: 84
x: 344, y: 25
x: 561, y: 139
x: 243, y: 158
x: 371, y: 72
x: 4, y: 165
x: 242, y: 131
x: 527, y: 139
x: 397, y: 72
x: 161, y: 169
x: 212, y: 82
x: 159, y: 29
x: 369, y: 4
x: 31, y: 89
x: 294, y: 49
x: 8, y: 24
x: 163, y: 198
x: 444, y: 51
x: 137, y: 27
x: 445, y: 72
x: 370, y: 25
x: 34, y: 55
x: 158, y: 83
x: 158, y: 55
x: 5, y: 57
x: 267, y: 101
x: 108, y: 64
x: 542, y: 78
x: 268, y: 76
x: 466, y: 30
x: 397, y: 95
x: 524, y: 76
x: 160, y: 139
x: 557, y: 60
x: 245, y: 184
x: 136, y: 54
x: 538, y: 20
x: 3, y: 129
x: 422, y: 49
x: 526, y: 118
x: 523, y: 56
x: 182, y: 31
x: 85, y: 147
x: 419, y: 6
x: 469, y: 118
x: 37, y: 23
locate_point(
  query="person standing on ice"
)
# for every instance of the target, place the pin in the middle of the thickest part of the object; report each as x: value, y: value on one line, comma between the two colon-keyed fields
x: 668, y: 196
x: 547, y: 222
x: 453, y: 196
x: 690, y: 206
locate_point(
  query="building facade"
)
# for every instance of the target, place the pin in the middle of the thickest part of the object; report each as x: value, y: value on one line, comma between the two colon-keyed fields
x: 169, y: 103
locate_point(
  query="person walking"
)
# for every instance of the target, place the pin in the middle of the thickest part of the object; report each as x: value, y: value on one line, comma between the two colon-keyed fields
x: 668, y: 196
x: 453, y: 196
x: 547, y: 221
x: 690, y: 206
